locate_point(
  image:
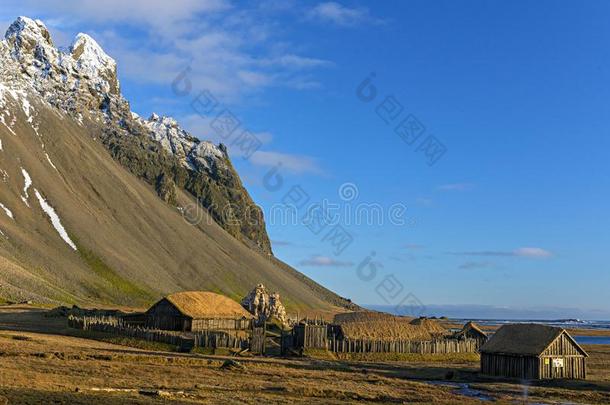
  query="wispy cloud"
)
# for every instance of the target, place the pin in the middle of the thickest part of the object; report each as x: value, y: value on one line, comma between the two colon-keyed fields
x: 332, y: 12
x: 531, y: 252
x: 414, y: 246
x: 295, y: 61
x: 455, y: 187
x: 472, y: 265
x: 324, y: 261
x: 200, y: 126
x: 298, y: 164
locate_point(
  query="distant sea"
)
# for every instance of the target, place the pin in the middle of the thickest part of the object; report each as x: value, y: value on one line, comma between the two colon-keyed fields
x: 562, y: 323
x: 578, y: 317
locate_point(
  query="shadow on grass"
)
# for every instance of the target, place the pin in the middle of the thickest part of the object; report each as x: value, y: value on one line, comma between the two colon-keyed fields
x: 27, y: 396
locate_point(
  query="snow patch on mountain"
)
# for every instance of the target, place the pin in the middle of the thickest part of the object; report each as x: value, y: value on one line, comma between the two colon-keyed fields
x: 21, y: 98
x: 50, y: 211
x: 8, y: 212
x: 50, y: 161
x: 26, y: 186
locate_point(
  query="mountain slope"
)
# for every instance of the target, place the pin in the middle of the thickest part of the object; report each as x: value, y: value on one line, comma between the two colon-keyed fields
x: 79, y: 226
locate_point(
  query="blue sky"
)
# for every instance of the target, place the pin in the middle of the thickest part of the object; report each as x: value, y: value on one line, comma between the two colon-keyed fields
x: 512, y: 214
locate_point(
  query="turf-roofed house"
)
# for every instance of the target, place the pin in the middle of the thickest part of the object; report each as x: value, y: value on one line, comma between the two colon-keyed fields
x: 196, y: 311
x: 472, y: 331
x: 533, y: 352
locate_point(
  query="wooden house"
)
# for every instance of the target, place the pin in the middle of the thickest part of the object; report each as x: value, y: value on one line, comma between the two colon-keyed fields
x: 472, y: 331
x: 533, y: 351
x: 196, y: 311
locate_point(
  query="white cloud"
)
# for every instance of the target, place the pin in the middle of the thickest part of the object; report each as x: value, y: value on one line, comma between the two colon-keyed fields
x: 200, y: 127
x: 340, y: 15
x: 162, y: 15
x: 324, y: 261
x: 532, y: 252
x: 296, y: 61
x: 293, y: 163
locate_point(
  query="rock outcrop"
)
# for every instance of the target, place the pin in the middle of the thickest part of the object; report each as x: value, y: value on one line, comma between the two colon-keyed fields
x: 264, y: 306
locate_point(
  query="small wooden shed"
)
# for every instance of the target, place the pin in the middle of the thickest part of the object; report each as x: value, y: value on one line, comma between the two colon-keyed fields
x: 533, y: 351
x: 472, y: 331
x: 193, y: 311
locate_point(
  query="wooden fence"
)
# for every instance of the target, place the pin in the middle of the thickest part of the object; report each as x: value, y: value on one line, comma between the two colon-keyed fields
x: 257, y: 340
x: 443, y: 346
x: 302, y: 336
x: 115, y: 326
x: 221, y: 324
x: 316, y: 336
x: 310, y: 336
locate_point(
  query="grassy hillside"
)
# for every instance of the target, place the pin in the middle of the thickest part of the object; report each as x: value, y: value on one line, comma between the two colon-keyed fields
x: 132, y: 246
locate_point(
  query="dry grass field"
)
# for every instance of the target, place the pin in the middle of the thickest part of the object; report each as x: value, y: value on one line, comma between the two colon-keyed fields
x: 39, y: 363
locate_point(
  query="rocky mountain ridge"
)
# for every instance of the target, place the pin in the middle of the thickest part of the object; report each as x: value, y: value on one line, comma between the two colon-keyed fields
x: 82, y: 82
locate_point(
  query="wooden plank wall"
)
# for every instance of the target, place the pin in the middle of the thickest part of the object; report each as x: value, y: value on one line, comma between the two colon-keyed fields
x: 310, y: 336
x: 510, y: 366
x: 562, y: 346
x: 213, y: 339
x: 574, y: 367
x: 221, y: 324
x: 533, y: 367
x: 257, y: 340
x: 443, y: 346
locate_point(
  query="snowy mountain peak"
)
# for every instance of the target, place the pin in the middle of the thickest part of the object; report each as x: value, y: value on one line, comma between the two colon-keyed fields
x: 92, y: 61
x: 25, y: 30
x: 164, y: 120
x: 83, y: 71
x: 30, y: 40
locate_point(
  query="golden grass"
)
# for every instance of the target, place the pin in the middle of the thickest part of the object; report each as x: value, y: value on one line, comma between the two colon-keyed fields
x: 73, y: 374
x: 50, y: 368
x: 367, y: 316
x: 383, y: 326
